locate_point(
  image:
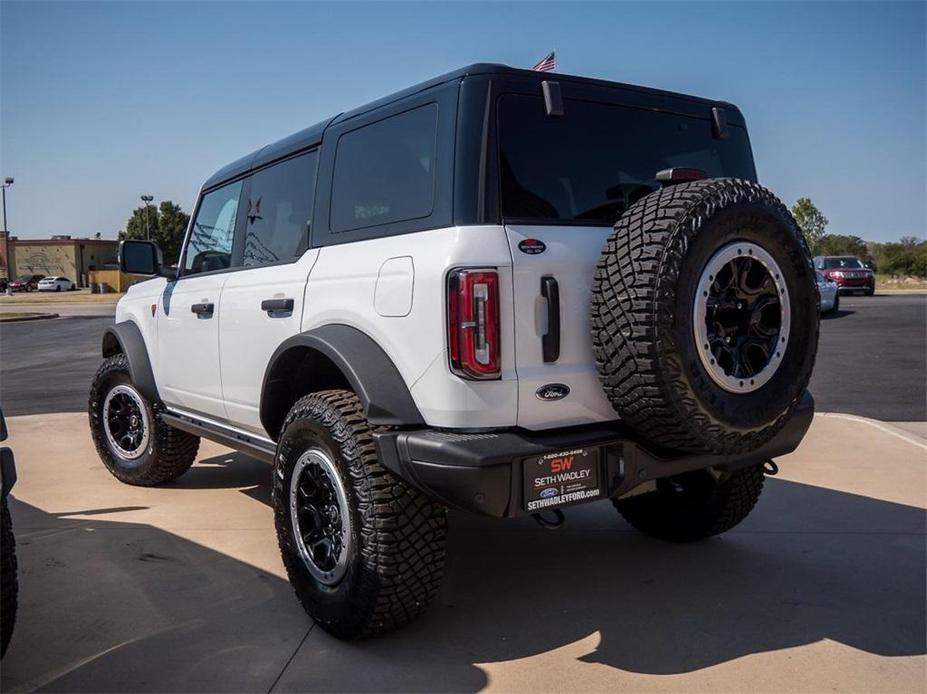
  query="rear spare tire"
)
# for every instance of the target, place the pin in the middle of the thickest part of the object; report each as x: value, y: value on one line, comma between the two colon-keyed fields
x: 704, y: 316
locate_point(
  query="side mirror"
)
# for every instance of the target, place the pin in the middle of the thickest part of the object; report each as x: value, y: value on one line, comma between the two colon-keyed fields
x: 142, y: 258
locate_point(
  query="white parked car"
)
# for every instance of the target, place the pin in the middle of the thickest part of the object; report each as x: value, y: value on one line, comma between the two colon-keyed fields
x: 830, y: 294
x: 502, y: 291
x: 56, y: 284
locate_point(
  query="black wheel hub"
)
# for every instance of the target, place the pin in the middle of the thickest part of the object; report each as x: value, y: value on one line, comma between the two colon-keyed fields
x: 319, y: 519
x: 124, y: 420
x: 743, y: 317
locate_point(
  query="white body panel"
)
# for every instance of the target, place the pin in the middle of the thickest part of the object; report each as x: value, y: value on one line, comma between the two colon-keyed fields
x: 248, y: 336
x: 343, y: 288
x: 187, y: 355
x: 393, y: 289
x: 570, y: 258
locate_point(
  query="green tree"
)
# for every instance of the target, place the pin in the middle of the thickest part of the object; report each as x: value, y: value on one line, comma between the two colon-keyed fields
x: 167, y: 223
x: 811, y: 222
x: 172, y: 225
x: 838, y: 244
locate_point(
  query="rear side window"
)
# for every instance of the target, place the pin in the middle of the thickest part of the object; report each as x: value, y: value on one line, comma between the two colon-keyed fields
x: 210, y: 245
x: 590, y: 164
x: 385, y: 172
x: 279, y: 211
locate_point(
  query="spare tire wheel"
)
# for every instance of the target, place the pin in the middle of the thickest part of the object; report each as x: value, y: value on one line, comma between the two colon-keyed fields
x: 704, y: 316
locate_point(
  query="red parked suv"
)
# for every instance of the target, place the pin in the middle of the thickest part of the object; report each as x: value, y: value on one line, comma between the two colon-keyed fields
x: 848, y: 272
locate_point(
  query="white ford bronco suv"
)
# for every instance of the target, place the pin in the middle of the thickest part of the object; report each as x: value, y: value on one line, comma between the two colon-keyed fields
x: 501, y: 291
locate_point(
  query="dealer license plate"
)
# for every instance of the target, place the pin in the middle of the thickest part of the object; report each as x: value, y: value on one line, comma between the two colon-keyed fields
x: 560, y: 478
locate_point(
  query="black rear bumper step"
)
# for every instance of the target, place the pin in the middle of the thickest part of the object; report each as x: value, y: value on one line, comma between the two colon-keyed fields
x: 482, y: 472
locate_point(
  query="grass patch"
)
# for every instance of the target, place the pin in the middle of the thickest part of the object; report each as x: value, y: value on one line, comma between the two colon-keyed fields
x: 889, y: 282
x: 81, y: 296
x: 10, y: 317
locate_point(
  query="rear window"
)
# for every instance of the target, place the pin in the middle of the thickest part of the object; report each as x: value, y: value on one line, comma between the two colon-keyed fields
x: 589, y: 165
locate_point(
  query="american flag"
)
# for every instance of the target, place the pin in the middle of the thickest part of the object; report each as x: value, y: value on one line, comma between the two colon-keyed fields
x: 546, y: 64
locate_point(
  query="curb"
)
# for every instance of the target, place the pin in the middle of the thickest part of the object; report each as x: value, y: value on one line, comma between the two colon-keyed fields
x: 23, y: 319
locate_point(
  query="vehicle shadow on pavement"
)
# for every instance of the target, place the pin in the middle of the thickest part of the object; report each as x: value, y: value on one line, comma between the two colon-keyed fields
x: 147, y: 610
x: 833, y: 315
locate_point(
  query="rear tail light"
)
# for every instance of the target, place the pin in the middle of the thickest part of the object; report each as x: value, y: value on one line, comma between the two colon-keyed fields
x: 473, y: 323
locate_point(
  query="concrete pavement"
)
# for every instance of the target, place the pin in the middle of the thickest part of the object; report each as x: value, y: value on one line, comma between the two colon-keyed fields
x: 180, y: 588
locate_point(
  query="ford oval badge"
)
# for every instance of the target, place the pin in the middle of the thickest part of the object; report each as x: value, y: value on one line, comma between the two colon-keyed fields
x: 531, y: 246
x: 552, y: 391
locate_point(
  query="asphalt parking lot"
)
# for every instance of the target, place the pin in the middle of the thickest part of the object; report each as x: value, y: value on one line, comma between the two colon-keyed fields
x: 180, y: 588
x: 872, y: 360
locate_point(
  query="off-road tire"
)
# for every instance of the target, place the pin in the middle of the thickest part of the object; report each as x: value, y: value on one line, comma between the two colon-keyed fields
x: 694, y: 505
x: 642, y: 326
x: 9, y: 585
x: 397, y: 560
x: 170, y: 451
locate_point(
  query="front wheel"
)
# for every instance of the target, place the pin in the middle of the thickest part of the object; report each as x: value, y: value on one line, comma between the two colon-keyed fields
x: 694, y: 505
x: 835, y: 309
x: 363, y: 550
x: 133, y: 442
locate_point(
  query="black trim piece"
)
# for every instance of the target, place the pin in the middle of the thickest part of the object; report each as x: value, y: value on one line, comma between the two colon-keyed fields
x: 363, y: 363
x: 125, y: 337
x: 553, y: 100
x: 240, y: 441
x: 550, y: 341
x: 482, y: 472
x: 271, y: 305
x: 203, y: 309
x: 719, y: 123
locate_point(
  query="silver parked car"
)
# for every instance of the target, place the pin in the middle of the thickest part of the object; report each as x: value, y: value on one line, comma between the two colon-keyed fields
x: 830, y: 294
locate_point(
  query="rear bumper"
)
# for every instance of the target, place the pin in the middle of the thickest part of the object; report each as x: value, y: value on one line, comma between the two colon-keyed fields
x: 483, y: 472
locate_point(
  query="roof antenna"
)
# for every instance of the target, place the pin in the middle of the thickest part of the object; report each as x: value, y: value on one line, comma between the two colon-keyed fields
x: 546, y: 64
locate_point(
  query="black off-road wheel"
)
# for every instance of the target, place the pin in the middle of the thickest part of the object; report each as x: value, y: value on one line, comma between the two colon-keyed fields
x: 133, y: 442
x: 704, y: 316
x: 364, y: 551
x: 9, y: 585
x: 694, y: 505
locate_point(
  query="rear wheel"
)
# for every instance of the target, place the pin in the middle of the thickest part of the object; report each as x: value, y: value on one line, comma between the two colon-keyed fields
x: 364, y: 551
x: 134, y: 443
x: 704, y: 316
x: 694, y: 505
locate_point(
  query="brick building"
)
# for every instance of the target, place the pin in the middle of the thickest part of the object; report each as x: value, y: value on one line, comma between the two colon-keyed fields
x: 59, y: 255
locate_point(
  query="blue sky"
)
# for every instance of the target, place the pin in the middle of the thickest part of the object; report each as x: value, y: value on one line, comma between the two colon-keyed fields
x: 103, y: 102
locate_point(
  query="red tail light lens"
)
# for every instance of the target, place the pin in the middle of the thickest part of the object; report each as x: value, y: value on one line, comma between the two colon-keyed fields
x: 473, y: 323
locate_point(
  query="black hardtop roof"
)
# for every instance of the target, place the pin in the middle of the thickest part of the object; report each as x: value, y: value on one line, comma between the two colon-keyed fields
x: 313, y: 134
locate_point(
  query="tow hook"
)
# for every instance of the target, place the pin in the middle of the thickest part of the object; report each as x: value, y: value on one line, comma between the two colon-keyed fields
x: 770, y: 468
x: 555, y: 524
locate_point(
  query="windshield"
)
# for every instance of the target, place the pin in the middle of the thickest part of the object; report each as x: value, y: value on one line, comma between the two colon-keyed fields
x: 855, y: 263
x: 590, y: 164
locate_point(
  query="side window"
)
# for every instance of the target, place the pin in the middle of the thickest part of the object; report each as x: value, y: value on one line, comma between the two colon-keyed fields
x: 279, y: 210
x: 385, y: 171
x: 210, y: 245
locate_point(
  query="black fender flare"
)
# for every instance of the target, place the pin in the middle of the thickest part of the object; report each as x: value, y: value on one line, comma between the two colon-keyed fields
x: 125, y: 337
x: 365, y: 366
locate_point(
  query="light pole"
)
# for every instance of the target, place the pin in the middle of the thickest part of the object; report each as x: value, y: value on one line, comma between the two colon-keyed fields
x: 147, y: 199
x: 7, y: 182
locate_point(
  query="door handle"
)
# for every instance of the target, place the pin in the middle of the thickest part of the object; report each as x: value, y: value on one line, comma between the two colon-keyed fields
x: 203, y: 309
x: 550, y: 341
x: 270, y: 305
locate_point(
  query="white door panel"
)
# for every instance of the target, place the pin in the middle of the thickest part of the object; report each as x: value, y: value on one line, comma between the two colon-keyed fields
x: 248, y: 335
x: 188, y: 344
x: 570, y: 257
